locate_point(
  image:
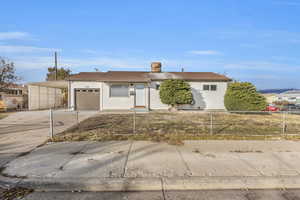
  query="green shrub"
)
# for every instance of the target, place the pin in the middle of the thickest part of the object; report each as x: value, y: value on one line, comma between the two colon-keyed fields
x: 244, y: 97
x: 175, y: 92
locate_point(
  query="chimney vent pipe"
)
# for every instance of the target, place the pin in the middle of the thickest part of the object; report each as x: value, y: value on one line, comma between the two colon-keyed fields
x: 156, y: 67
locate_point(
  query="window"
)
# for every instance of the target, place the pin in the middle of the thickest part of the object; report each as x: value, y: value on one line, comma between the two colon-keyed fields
x: 119, y: 91
x: 213, y: 87
x: 157, y: 86
x: 206, y: 87
x: 210, y: 87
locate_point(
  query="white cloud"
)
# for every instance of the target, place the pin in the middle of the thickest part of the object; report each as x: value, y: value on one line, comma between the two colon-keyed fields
x: 204, y: 52
x: 105, y: 61
x: 33, y: 62
x: 14, y: 35
x: 40, y: 62
x: 24, y: 49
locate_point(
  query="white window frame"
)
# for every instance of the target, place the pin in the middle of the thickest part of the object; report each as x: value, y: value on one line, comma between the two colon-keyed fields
x: 121, y: 84
x: 210, y: 87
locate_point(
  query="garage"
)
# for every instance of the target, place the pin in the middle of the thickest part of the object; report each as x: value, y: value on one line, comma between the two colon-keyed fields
x: 87, y: 99
x: 46, y: 95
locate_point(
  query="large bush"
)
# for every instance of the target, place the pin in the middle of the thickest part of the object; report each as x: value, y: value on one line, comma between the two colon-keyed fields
x: 175, y: 92
x: 244, y: 97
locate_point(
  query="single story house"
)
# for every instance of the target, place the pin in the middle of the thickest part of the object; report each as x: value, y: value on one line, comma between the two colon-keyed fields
x: 270, y: 97
x: 125, y: 90
x: 292, y: 96
x: 13, y: 97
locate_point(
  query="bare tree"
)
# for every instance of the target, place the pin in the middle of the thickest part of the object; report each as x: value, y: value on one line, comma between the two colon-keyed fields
x: 7, y: 73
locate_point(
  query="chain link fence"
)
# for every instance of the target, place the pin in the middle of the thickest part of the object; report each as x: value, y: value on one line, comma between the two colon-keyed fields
x: 196, y: 123
x: 63, y: 119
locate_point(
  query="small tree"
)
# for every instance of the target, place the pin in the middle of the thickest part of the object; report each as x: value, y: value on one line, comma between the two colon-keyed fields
x: 7, y: 73
x: 62, y: 73
x: 244, y: 97
x: 175, y: 92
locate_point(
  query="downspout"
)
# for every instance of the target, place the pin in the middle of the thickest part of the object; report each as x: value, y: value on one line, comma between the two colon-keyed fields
x: 69, y: 94
x: 39, y: 97
x: 149, y: 85
x: 101, y: 97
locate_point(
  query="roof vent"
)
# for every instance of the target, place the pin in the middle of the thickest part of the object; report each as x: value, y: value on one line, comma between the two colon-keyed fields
x: 156, y: 67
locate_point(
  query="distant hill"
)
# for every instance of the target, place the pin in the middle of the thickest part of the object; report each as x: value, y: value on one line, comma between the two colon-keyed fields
x: 276, y: 91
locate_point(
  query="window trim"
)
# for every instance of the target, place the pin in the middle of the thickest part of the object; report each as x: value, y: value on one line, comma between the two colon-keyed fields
x: 216, y: 88
x: 209, y: 87
x: 206, y: 89
x: 122, y: 84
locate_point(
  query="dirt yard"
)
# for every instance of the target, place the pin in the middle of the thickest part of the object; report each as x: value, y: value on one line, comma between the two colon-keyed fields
x: 3, y: 115
x: 184, y: 125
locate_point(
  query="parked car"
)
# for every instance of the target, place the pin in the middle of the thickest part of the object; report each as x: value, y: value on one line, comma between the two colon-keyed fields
x: 290, y: 107
x: 272, y: 108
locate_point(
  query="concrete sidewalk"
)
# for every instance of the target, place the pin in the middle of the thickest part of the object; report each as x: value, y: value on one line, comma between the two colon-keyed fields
x: 134, y: 166
x: 22, y: 132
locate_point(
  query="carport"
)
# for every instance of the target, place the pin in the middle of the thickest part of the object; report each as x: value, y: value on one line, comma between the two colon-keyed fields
x: 48, y: 94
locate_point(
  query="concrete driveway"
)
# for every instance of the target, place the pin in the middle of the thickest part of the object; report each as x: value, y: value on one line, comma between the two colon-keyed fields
x: 23, y: 131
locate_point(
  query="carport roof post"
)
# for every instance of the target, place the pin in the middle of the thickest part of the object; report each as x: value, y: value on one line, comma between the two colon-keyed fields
x: 51, y: 84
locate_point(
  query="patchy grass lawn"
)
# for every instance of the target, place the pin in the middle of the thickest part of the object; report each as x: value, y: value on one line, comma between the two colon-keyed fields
x: 175, y: 127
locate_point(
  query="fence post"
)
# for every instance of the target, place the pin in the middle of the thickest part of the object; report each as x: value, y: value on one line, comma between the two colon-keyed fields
x: 134, y: 121
x: 77, y: 118
x: 211, y: 123
x: 51, y: 123
x: 283, y: 123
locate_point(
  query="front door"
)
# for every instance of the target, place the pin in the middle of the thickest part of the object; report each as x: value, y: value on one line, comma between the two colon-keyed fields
x: 140, y: 100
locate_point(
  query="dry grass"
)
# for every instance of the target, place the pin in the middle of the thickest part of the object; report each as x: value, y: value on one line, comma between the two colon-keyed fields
x: 3, y: 115
x: 15, y: 193
x: 175, y: 127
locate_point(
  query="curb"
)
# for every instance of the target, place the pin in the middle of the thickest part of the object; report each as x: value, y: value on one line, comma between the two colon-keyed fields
x: 92, y: 184
x: 8, y: 182
x: 231, y: 183
x: 159, y: 184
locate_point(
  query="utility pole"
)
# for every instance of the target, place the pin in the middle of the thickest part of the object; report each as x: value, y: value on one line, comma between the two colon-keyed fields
x: 55, y: 64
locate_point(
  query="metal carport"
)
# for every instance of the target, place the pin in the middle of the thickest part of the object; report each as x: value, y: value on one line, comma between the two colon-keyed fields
x: 45, y: 95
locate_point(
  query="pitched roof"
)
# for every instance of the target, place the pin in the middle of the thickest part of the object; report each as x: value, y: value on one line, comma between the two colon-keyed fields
x: 143, y: 76
x: 292, y: 92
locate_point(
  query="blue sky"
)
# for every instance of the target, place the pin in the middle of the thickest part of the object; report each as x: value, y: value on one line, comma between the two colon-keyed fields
x: 249, y: 40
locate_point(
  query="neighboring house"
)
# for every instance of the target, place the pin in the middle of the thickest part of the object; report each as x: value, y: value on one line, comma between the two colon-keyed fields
x: 292, y: 96
x: 14, y: 97
x: 270, y: 97
x: 124, y: 90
